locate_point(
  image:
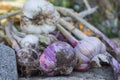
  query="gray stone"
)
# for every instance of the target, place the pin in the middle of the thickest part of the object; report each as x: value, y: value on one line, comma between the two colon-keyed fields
x: 8, y: 68
x: 103, y: 73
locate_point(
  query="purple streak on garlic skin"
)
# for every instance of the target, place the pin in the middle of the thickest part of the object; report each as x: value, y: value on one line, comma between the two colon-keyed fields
x: 58, y: 59
x: 67, y: 35
x: 61, y: 37
x: 58, y: 35
x: 39, y: 17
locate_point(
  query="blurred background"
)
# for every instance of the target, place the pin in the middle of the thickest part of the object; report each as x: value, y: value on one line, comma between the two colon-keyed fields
x: 106, y: 18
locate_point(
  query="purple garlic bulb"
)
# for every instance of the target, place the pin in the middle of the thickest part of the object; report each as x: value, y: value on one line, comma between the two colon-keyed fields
x: 87, y: 49
x: 58, y: 59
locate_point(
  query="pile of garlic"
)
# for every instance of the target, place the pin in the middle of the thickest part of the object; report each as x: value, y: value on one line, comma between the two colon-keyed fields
x: 38, y: 19
x: 39, y: 51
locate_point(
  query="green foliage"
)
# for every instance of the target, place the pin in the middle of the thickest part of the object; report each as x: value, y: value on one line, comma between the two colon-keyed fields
x: 63, y: 3
x: 97, y: 20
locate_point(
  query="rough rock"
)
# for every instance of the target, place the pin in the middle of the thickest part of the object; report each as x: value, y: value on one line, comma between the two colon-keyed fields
x: 103, y: 73
x: 8, y: 68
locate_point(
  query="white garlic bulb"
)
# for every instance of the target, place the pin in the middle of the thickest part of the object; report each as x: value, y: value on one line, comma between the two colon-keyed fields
x: 28, y: 41
x: 39, y: 16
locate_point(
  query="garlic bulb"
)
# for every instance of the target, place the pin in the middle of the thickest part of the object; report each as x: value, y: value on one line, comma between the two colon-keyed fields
x: 87, y: 49
x: 27, y: 58
x: 28, y: 41
x: 25, y: 55
x: 28, y: 61
x: 58, y: 59
x: 39, y: 16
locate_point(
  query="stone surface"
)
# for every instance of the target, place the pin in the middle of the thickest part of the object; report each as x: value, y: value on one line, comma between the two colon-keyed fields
x: 116, y: 41
x: 8, y: 68
x: 104, y: 73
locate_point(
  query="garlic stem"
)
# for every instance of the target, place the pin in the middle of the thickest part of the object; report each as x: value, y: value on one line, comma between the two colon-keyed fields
x: 9, y: 14
x: 16, y: 37
x: 81, y: 14
x: 95, y: 30
x: 72, y: 29
x: 87, y: 4
x: 87, y: 12
x: 17, y: 32
x: 68, y: 36
x: 8, y: 34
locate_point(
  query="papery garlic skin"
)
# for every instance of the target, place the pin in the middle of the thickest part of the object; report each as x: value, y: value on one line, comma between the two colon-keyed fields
x: 29, y: 41
x: 39, y: 16
x: 32, y: 8
x: 58, y: 59
x: 28, y: 61
x: 26, y: 55
x: 47, y: 39
x: 87, y: 49
x: 37, y: 29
